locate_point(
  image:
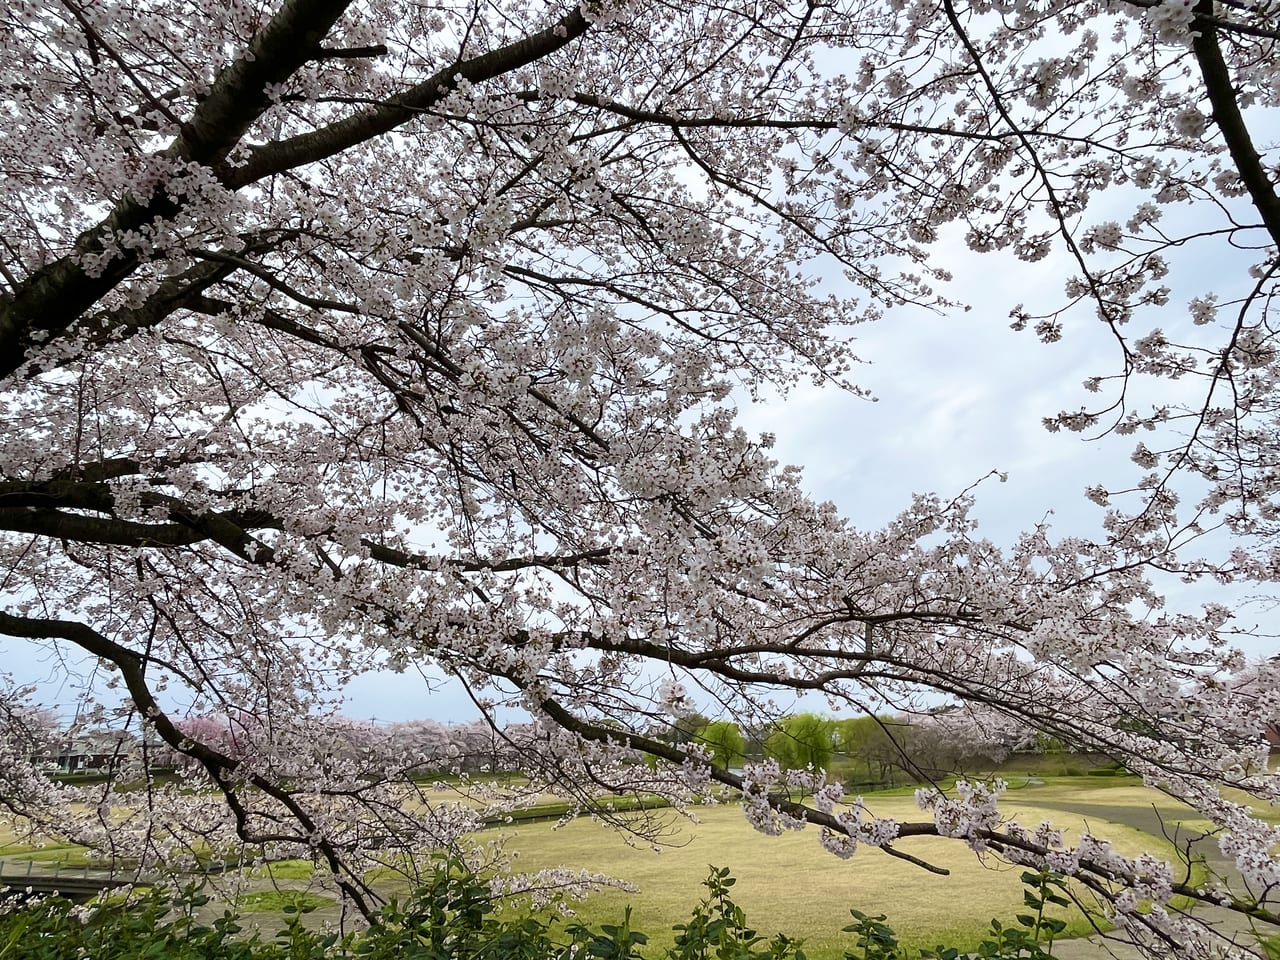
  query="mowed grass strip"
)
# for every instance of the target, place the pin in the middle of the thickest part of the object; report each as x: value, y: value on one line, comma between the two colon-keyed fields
x: 790, y: 885
x: 275, y: 901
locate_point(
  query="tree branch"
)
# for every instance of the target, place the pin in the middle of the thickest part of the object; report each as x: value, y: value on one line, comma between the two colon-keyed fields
x: 132, y: 666
x: 1226, y: 113
x: 49, y: 301
x: 395, y: 111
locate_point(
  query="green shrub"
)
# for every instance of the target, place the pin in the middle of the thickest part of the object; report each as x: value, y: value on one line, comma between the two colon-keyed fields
x: 454, y: 916
x: 150, y: 926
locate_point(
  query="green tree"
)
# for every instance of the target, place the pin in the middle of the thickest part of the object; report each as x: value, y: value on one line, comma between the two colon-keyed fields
x: 802, y: 739
x: 686, y: 727
x: 725, y: 741
x: 862, y: 740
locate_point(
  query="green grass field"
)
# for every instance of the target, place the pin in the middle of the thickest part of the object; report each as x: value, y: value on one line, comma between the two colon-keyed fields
x: 52, y: 855
x: 275, y: 901
x: 790, y: 885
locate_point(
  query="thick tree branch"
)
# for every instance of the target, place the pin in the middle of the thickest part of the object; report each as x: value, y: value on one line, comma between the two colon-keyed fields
x: 82, y: 529
x: 1227, y: 115
x: 396, y: 111
x: 181, y: 292
x: 49, y: 301
x: 40, y: 507
x: 239, y: 96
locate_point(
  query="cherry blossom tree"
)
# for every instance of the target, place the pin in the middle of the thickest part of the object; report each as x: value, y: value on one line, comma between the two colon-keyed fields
x: 339, y: 335
x: 230, y: 735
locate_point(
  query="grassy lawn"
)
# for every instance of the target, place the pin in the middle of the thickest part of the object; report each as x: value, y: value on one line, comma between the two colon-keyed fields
x: 1118, y: 792
x: 65, y: 857
x: 1128, y: 792
x: 275, y: 901
x: 789, y: 884
x: 284, y: 870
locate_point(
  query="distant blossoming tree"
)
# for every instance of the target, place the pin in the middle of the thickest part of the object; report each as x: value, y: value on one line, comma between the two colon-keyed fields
x: 347, y: 334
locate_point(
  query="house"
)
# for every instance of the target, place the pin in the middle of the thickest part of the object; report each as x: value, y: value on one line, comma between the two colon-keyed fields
x: 93, y: 751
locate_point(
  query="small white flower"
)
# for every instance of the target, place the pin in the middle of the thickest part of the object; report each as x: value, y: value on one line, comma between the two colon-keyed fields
x: 673, y: 697
x: 1189, y: 122
x: 1204, y: 309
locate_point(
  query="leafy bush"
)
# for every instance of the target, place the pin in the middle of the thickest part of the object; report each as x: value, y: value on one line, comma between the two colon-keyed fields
x: 454, y: 916
x: 1030, y: 938
x: 151, y: 926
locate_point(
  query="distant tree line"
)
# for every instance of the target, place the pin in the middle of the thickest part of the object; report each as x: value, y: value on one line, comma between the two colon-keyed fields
x: 880, y: 750
x: 869, y: 750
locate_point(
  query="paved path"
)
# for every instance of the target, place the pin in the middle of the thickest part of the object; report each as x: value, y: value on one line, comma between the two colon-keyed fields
x: 78, y: 883
x: 1159, y: 823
